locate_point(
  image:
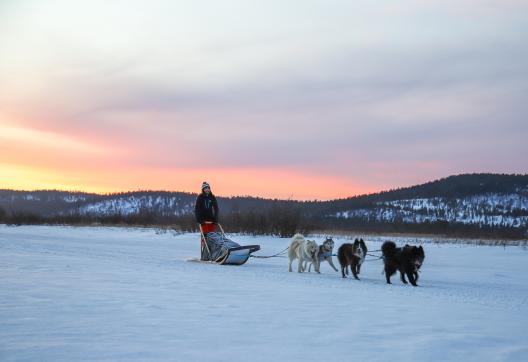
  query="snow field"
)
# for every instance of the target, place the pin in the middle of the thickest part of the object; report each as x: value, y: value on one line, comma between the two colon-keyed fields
x: 81, y: 293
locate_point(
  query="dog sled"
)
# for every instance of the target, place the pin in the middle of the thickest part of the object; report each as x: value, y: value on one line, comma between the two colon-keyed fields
x: 216, y: 248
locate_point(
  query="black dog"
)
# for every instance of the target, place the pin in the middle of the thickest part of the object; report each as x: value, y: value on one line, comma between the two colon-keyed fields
x: 353, y: 255
x: 407, y: 260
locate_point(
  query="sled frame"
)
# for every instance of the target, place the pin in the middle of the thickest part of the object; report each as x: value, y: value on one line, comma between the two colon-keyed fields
x: 234, y: 256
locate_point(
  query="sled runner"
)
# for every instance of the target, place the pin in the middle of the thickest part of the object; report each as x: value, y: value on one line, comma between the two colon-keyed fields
x: 217, y: 248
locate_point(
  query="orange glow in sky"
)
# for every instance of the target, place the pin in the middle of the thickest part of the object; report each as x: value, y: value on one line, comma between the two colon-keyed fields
x: 101, y: 97
x: 231, y: 182
x: 33, y: 159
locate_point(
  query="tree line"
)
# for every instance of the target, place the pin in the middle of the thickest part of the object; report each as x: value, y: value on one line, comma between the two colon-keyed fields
x: 279, y: 219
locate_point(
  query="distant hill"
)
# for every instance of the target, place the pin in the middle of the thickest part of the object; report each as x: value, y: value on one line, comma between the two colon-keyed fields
x: 460, y: 186
x: 480, y: 203
x: 52, y: 202
x: 481, y: 200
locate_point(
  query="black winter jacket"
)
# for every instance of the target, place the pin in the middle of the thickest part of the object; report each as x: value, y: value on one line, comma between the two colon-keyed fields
x: 206, y: 208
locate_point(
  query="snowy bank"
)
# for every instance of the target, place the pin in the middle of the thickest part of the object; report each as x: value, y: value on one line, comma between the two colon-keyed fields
x: 129, y: 294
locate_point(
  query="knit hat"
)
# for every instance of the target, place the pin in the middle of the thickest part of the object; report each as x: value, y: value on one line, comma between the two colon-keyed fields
x: 205, y: 185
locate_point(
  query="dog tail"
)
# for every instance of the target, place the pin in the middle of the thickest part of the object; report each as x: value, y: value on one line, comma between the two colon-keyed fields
x: 388, y: 248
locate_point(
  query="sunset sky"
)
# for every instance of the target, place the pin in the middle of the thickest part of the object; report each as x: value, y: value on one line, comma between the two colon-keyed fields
x: 302, y: 99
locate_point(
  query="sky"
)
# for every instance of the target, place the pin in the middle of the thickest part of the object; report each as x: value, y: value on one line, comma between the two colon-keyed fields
x: 285, y: 99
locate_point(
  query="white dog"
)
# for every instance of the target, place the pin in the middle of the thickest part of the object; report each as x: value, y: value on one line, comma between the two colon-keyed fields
x: 303, y: 250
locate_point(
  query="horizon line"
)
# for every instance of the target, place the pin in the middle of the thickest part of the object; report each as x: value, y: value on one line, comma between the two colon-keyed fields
x: 110, y: 193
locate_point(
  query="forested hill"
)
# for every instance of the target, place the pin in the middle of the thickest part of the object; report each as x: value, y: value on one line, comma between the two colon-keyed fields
x: 480, y: 202
x: 459, y: 186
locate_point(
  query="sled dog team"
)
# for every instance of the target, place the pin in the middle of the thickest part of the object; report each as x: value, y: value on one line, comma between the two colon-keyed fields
x: 407, y: 259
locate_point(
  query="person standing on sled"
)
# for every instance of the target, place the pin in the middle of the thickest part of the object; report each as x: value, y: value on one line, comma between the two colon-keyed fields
x: 215, y: 247
x: 206, y: 209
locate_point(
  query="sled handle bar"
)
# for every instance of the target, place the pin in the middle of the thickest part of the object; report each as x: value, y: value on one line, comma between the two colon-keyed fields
x: 203, y: 240
x: 210, y: 222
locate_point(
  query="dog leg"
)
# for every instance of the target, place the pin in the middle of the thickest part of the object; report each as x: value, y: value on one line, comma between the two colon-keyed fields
x: 291, y: 255
x: 343, y: 271
x: 299, y: 266
x: 402, y: 277
x: 410, y: 275
x: 388, y: 274
x: 331, y: 263
x: 354, y: 271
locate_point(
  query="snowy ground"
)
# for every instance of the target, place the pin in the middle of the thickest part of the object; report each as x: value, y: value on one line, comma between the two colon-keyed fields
x: 70, y: 294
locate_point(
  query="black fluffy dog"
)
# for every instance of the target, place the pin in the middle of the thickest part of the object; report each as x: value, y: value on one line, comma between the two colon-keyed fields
x: 353, y: 255
x: 407, y: 260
